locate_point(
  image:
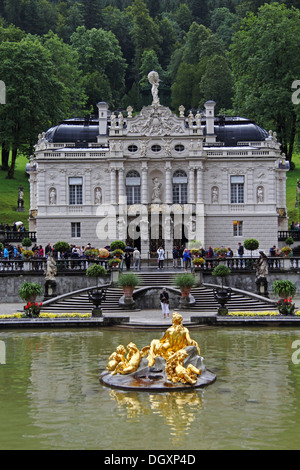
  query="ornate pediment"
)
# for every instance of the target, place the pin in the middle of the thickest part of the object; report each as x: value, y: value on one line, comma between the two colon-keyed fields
x: 156, y: 121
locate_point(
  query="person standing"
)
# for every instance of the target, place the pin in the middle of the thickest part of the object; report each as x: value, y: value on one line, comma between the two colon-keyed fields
x: 136, y: 260
x: 186, y: 259
x: 175, y: 257
x: 164, y: 302
x: 240, y: 253
x: 161, y: 257
x: 127, y: 260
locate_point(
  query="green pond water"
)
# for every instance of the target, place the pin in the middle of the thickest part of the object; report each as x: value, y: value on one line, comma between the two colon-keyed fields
x: 51, y: 397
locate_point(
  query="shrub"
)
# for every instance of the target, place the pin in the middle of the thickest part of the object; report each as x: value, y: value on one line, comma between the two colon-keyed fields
x: 184, y: 280
x: 129, y: 280
x: 117, y: 245
x: 96, y: 271
x: 221, y: 271
x: 61, y: 247
x: 26, y: 242
x: 251, y: 244
x: 289, y: 241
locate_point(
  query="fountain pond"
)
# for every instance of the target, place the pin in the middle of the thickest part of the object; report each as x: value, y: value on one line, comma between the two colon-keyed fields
x: 51, y: 396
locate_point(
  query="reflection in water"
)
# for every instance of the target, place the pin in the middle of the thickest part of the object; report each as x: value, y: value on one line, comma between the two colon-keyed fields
x: 178, y: 409
x: 51, y: 397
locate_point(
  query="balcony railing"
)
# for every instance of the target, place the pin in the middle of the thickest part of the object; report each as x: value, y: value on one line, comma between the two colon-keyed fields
x: 16, y: 237
x: 38, y: 266
x: 284, y: 234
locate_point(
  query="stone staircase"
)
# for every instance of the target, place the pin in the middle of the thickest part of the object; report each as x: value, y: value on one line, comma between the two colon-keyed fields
x: 204, y: 296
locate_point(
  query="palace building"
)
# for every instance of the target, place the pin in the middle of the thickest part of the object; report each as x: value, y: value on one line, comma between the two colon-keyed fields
x: 158, y: 179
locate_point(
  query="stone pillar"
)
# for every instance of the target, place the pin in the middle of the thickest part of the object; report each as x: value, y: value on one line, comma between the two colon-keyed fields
x: 210, y: 121
x: 121, y: 186
x: 169, y: 198
x: 199, y: 184
x: 113, y: 186
x: 144, y: 188
x: 191, y: 185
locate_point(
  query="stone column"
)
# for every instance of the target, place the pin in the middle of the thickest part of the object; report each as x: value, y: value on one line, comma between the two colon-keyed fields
x: 169, y: 198
x: 191, y: 185
x: 113, y: 186
x: 200, y: 184
x: 121, y: 186
x: 144, y: 184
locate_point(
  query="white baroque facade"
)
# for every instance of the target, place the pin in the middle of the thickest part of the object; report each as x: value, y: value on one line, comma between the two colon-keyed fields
x: 156, y: 178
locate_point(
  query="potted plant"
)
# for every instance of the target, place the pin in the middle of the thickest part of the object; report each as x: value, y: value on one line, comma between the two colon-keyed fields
x: 221, y: 252
x: 118, y: 253
x: 91, y: 253
x: 103, y: 253
x: 286, y: 290
x: 198, y: 262
x: 286, y: 251
x: 27, y: 254
x: 222, y: 296
x: 128, y: 282
x: 185, y: 282
x: 29, y: 291
x: 114, y: 263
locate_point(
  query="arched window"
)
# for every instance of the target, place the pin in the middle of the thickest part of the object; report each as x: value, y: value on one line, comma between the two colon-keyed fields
x: 133, y: 187
x: 180, y: 187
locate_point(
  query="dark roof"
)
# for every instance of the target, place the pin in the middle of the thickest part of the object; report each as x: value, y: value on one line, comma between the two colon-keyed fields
x: 74, y: 130
x: 230, y: 131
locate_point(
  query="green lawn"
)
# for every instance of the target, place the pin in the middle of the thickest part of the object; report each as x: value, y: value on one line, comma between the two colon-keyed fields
x: 291, y: 187
x: 9, y: 194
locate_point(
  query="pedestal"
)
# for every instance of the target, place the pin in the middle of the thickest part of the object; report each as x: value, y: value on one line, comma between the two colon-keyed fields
x: 96, y: 312
x: 50, y: 289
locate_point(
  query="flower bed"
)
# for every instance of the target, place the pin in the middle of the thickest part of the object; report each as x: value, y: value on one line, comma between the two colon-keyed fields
x: 47, y: 315
x: 259, y: 314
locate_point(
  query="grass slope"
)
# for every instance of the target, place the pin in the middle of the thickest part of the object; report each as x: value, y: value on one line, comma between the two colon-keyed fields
x: 291, y: 188
x: 9, y: 191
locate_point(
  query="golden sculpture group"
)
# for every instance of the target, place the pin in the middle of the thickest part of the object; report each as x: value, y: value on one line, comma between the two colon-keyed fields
x: 171, y: 347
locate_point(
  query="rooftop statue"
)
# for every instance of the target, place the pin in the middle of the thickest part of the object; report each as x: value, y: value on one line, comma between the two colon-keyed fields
x: 153, y: 78
x: 170, y: 363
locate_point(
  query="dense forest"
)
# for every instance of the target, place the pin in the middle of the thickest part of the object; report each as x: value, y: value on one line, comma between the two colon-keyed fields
x: 59, y: 58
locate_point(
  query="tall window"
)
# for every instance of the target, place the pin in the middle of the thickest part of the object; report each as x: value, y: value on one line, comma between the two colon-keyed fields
x: 75, y: 191
x: 75, y: 230
x: 133, y: 187
x: 238, y: 228
x: 237, y: 189
x: 180, y: 187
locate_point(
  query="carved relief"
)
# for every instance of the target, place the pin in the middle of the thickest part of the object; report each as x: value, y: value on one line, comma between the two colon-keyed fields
x: 155, y: 121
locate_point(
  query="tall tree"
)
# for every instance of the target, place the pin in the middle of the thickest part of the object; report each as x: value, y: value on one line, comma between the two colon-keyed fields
x: 264, y: 65
x: 99, y: 51
x: 33, y: 95
x: 144, y: 31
